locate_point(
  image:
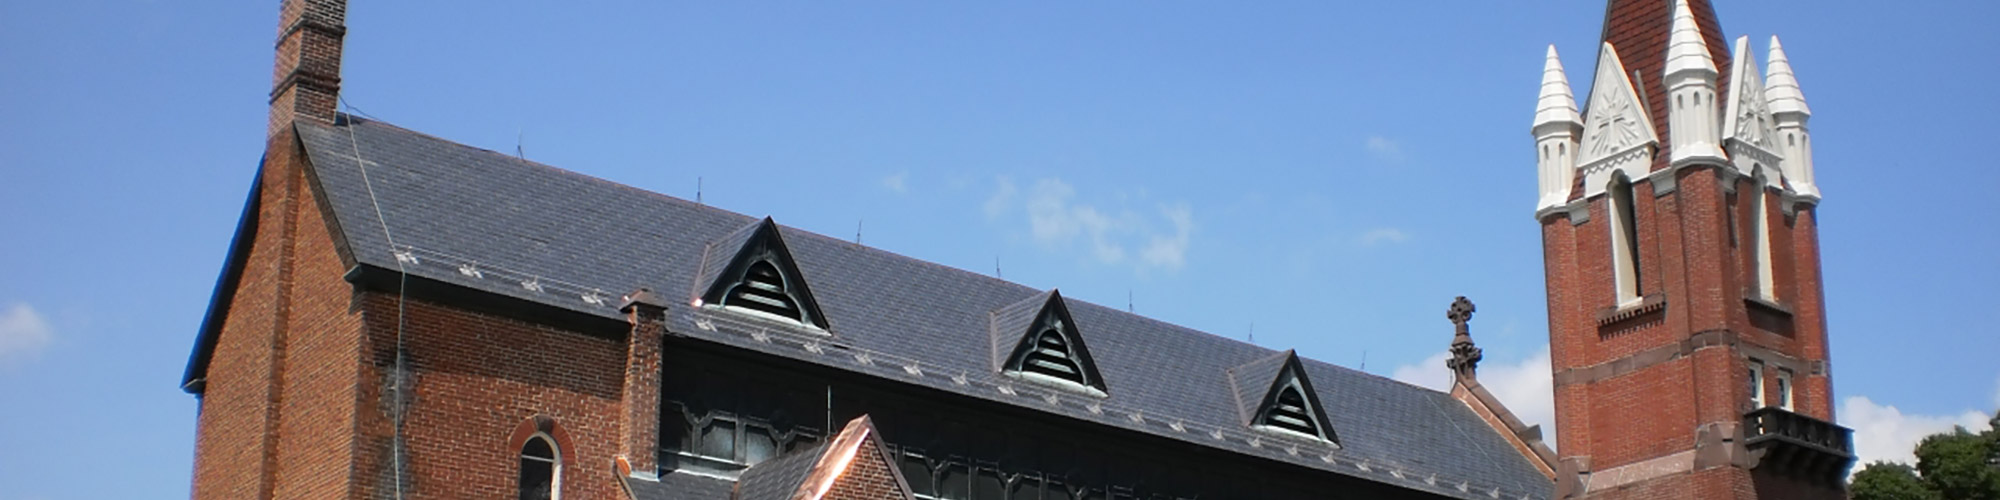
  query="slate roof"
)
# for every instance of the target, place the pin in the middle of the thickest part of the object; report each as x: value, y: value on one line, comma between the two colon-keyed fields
x: 1250, y: 382
x: 779, y: 478
x: 507, y: 226
x: 682, y: 486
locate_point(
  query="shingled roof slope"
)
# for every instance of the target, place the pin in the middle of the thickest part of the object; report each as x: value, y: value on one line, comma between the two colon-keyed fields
x: 568, y: 240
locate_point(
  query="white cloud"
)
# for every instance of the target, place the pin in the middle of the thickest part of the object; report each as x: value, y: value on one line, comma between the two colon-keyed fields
x: 1384, y: 235
x: 899, y: 182
x: 1884, y: 432
x: 1003, y: 197
x: 1170, y: 251
x: 1057, y: 221
x: 1524, y: 385
x: 1385, y: 149
x: 22, y: 332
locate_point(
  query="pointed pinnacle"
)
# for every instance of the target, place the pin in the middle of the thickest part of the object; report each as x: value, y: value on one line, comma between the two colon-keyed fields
x: 1685, y: 49
x: 1781, y: 88
x: 1557, y: 104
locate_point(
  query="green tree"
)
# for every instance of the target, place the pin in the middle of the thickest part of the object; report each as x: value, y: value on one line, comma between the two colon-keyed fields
x: 1890, y: 481
x: 1956, y: 465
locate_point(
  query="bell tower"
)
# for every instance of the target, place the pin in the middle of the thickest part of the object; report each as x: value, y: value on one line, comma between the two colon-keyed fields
x: 1681, y: 252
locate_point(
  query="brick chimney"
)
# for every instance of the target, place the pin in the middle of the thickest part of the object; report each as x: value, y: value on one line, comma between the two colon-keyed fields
x: 305, y: 82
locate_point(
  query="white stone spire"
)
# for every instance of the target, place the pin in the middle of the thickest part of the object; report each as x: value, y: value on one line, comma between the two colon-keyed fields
x: 1557, y: 129
x: 1690, y: 79
x: 1557, y: 104
x: 1783, y: 92
x: 1788, y: 108
x: 1686, y: 51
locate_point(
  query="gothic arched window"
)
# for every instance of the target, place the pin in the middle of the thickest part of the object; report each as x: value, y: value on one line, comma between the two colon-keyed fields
x: 541, y: 469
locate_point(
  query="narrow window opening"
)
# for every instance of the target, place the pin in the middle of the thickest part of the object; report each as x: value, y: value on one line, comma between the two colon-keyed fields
x: 1760, y: 239
x: 1625, y: 239
x: 1784, y: 395
x: 1756, y: 384
x: 541, y: 470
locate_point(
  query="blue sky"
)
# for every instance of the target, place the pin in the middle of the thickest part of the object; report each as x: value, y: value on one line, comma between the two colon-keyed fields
x: 1327, y: 176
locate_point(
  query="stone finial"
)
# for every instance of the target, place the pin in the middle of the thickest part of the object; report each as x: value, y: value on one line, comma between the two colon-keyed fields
x: 1464, y: 356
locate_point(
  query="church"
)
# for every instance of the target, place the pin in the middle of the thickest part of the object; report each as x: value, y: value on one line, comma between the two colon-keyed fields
x: 402, y: 316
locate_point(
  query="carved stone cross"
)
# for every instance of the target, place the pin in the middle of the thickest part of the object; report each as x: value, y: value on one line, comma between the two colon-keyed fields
x: 1464, y: 356
x: 1460, y: 312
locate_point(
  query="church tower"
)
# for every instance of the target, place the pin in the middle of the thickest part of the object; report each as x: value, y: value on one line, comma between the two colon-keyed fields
x: 1680, y: 243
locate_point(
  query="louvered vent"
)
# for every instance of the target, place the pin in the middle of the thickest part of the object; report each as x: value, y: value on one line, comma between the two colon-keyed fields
x: 763, y: 290
x: 1290, y: 413
x: 1050, y: 356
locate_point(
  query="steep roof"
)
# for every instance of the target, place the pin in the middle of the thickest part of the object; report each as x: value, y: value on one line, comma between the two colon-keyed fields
x: 1640, y: 31
x: 574, y: 242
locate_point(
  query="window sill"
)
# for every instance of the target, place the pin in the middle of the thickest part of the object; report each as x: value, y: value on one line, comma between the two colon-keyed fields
x: 1650, y: 308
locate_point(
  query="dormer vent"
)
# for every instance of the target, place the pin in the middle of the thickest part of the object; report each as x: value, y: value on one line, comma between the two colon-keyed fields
x: 1290, y: 412
x: 1274, y: 395
x: 1049, y: 356
x: 762, y: 290
x: 752, y: 271
x: 1036, y: 339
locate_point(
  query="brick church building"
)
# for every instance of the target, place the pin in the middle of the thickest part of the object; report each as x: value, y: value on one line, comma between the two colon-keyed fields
x: 401, y: 316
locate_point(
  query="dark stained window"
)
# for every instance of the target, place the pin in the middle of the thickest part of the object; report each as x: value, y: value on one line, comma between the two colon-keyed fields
x: 538, y: 469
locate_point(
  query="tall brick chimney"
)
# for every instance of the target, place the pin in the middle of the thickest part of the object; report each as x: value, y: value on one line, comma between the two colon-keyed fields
x: 305, y: 82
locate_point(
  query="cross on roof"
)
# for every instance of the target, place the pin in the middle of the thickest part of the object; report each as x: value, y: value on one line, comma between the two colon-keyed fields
x: 1460, y: 312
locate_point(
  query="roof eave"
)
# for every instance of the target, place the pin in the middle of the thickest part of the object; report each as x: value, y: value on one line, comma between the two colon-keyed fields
x: 195, y: 379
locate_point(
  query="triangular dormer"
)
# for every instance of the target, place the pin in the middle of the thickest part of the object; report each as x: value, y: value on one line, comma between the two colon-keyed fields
x: 1036, y: 339
x: 1275, y: 395
x: 759, y: 277
x: 1617, y: 134
x: 1749, y: 131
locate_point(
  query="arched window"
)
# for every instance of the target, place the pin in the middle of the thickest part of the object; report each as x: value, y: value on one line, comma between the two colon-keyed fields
x: 1625, y: 238
x: 541, y: 469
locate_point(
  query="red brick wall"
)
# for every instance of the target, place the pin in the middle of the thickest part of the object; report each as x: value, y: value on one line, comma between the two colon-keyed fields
x: 237, y: 417
x: 1686, y: 256
x: 474, y: 379
x: 868, y: 477
x: 323, y: 346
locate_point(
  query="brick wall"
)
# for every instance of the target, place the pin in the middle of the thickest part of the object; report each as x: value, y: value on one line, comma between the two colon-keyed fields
x: 869, y: 477
x: 473, y: 379
x: 1695, y: 255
